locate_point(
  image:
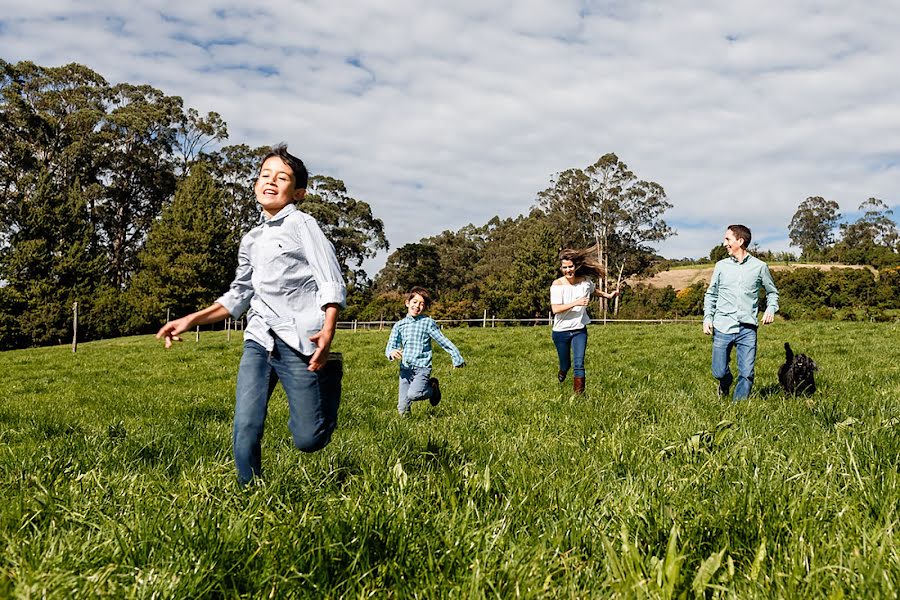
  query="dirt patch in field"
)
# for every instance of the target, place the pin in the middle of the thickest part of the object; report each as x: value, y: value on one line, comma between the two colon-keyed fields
x: 682, y: 278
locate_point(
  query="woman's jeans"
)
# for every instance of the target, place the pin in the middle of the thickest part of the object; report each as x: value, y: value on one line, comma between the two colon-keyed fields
x: 414, y: 385
x: 576, y: 341
x: 313, y: 399
x: 744, y: 340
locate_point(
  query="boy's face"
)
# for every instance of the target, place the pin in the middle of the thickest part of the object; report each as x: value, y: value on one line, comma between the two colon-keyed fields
x: 275, y: 186
x: 415, y: 305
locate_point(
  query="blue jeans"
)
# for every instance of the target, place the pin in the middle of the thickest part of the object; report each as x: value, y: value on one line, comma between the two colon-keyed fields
x: 745, y: 343
x: 576, y: 341
x: 313, y: 399
x: 414, y: 386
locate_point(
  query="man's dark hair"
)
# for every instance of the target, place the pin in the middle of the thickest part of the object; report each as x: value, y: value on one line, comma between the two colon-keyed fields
x: 741, y: 232
x: 420, y: 291
x: 301, y: 175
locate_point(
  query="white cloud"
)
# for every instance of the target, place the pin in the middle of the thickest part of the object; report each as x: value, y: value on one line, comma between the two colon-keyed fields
x: 440, y: 115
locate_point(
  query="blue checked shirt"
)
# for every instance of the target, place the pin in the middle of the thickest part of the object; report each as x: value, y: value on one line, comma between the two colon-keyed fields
x: 732, y: 298
x: 287, y: 272
x: 412, y: 336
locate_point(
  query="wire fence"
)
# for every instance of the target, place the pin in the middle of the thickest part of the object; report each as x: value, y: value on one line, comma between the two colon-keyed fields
x: 488, y: 322
x: 237, y: 325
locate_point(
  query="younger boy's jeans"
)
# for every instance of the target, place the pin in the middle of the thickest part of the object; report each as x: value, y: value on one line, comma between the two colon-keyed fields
x: 576, y: 341
x: 313, y: 399
x: 744, y: 340
x: 414, y: 385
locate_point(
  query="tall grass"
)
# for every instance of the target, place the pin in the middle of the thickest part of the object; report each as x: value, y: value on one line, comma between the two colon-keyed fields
x: 116, y: 474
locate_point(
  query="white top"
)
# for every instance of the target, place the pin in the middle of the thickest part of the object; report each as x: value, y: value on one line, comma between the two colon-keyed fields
x: 576, y: 317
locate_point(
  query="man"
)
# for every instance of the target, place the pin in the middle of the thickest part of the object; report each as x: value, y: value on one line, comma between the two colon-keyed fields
x: 730, y: 310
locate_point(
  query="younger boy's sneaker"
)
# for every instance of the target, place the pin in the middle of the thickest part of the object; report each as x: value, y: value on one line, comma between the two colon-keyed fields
x: 435, y: 391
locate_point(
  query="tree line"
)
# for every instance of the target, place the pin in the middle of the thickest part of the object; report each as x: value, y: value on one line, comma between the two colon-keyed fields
x: 118, y: 197
x: 112, y: 196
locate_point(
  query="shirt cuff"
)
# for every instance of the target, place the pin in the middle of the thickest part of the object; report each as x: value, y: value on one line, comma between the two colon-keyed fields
x: 332, y: 293
x: 233, y: 305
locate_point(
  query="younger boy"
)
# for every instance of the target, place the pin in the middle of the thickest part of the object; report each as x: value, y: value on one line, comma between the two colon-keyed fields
x: 289, y: 278
x: 410, y: 343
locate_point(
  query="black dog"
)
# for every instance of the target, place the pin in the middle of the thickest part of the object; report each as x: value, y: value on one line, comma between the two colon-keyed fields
x: 797, y: 373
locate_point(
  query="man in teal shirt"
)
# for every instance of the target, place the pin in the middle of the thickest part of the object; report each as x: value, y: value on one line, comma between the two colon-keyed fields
x: 730, y: 310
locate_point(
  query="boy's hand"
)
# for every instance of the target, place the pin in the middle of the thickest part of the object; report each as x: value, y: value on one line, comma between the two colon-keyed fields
x: 323, y: 349
x: 170, y: 330
x: 707, y: 328
x: 396, y: 355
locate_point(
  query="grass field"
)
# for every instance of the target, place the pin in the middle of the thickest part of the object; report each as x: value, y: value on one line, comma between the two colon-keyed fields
x: 117, y: 478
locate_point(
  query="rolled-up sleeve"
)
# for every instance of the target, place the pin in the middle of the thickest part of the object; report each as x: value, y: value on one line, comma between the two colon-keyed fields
x: 771, y: 291
x: 324, y: 264
x: 237, y: 299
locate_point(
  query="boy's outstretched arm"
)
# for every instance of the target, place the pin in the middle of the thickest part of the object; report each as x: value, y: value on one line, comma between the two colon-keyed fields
x: 211, y: 314
x: 447, y: 345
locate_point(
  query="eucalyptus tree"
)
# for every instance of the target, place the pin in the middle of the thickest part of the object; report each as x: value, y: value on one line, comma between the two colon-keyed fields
x: 607, y: 205
x: 812, y: 226
x: 347, y: 222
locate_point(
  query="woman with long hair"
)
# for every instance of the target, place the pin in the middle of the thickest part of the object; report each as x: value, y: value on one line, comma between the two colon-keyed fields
x: 569, y: 297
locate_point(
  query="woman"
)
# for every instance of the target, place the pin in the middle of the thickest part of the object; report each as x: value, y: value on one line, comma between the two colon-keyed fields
x: 569, y: 297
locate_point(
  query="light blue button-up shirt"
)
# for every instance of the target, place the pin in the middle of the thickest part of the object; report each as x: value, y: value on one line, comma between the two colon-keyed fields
x: 287, y: 272
x: 732, y: 297
x: 413, y: 335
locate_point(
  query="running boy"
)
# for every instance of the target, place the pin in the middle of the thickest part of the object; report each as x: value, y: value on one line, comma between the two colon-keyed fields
x: 289, y: 278
x: 410, y: 343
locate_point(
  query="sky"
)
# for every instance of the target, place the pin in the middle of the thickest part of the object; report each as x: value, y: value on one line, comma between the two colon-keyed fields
x: 442, y: 114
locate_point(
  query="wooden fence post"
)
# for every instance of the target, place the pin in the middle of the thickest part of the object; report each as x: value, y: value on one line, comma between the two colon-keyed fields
x: 74, y: 327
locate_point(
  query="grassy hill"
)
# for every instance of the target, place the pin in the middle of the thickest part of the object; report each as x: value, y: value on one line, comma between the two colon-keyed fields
x: 116, y: 477
x: 685, y: 276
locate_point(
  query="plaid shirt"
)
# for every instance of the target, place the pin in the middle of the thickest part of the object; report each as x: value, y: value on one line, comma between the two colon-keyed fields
x: 412, y: 335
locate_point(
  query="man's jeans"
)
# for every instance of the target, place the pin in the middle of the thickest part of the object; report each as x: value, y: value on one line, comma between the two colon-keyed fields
x: 313, y: 399
x: 414, y: 385
x: 744, y: 340
x: 576, y: 341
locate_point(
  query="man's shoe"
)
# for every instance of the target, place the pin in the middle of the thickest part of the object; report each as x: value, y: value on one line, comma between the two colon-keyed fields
x: 561, y: 376
x: 435, y: 391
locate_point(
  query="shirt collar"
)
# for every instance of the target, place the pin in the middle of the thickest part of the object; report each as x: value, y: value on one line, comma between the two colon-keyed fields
x: 290, y: 208
x: 746, y: 258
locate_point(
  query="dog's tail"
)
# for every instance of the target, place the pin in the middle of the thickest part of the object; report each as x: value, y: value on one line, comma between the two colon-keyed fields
x: 789, y: 354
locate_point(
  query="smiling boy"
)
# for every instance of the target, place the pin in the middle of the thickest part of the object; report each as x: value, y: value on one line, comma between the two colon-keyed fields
x: 289, y: 281
x: 410, y: 343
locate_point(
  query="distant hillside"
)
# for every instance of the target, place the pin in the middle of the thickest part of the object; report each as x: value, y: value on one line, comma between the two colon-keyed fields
x: 683, y: 277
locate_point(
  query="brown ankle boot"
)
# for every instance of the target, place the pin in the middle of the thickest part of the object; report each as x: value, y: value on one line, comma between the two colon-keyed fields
x: 578, y: 385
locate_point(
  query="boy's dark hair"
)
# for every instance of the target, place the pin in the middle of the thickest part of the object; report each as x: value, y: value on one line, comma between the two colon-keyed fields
x: 420, y: 291
x: 741, y: 232
x: 301, y: 175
